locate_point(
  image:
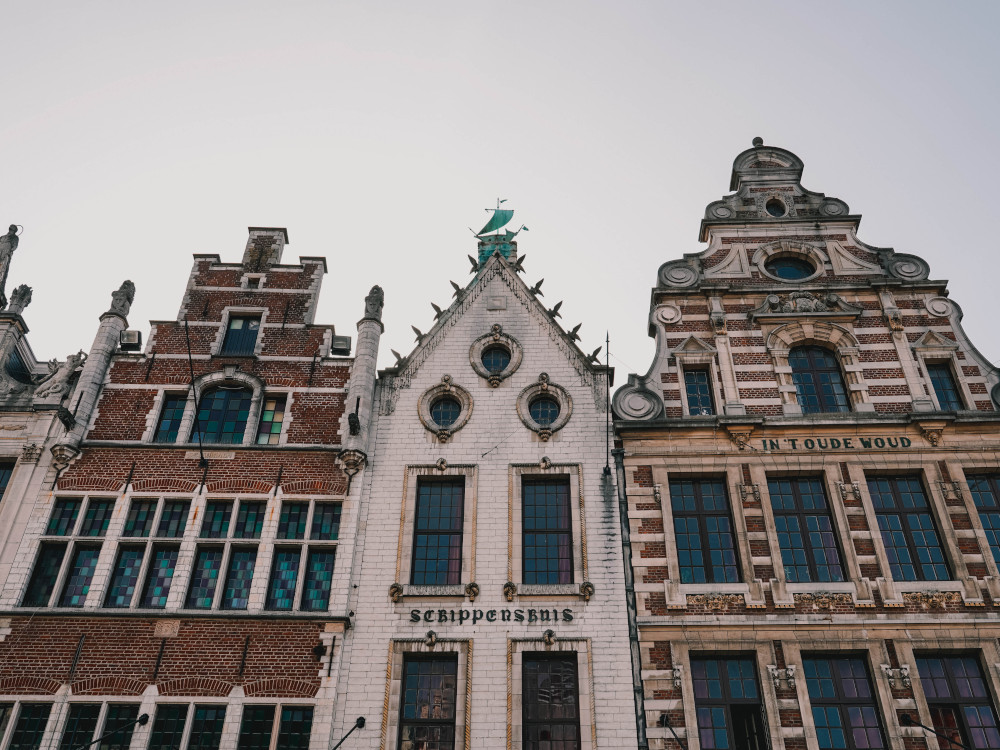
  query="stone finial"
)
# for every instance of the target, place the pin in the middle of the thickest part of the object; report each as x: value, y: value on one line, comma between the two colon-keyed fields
x: 374, y: 303
x: 20, y: 298
x: 758, y: 142
x: 121, y: 300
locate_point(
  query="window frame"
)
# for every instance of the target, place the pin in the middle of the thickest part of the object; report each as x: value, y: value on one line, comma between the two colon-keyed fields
x: 560, y: 481
x: 551, y: 656
x: 813, y: 372
x: 686, y: 393
x: 702, y: 532
x: 949, y: 368
x: 898, y: 510
x: 415, y: 658
x: 423, y: 482
x: 726, y: 701
x: 843, y: 703
x: 991, y: 532
x: 802, y: 514
x: 233, y: 315
x: 956, y: 702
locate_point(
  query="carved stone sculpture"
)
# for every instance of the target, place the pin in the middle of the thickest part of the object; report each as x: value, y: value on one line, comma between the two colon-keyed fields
x: 57, y: 383
x: 374, y: 303
x: 8, y: 244
x: 121, y: 301
x: 20, y: 298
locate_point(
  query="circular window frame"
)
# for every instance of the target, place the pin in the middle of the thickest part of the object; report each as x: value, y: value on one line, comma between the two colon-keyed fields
x: 544, y: 387
x: 776, y: 201
x: 777, y: 257
x: 803, y: 251
x: 445, y: 388
x: 496, y: 337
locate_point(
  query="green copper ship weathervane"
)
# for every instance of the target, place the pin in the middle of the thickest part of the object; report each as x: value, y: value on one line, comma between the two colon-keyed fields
x: 500, y: 242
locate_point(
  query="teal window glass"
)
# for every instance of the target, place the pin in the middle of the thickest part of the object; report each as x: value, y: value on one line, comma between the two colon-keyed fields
x: 44, y: 575
x: 64, y: 514
x: 139, y: 521
x: 249, y: 520
x: 292, y: 523
x: 30, y: 727
x: 223, y: 414
x: 119, y: 722
x: 272, y: 415
x: 295, y: 727
x: 170, y: 419
x: 706, y: 544
x: 284, y: 575
x: 174, y: 518
x: 326, y: 521
x: 727, y: 704
x: 204, y: 578
x: 256, y: 727
x: 80, y: 725
x: 819, y: 384
x: 97, y: 517
x: 911, y: 540
x: 241, y: 336
x: 159, y: 577
x: 789, y: 268
x: 206, y: 728
x: 236, y: 594
x: 81, y: 573
x: 843, y: 703
x: 809, y: 550
x: 168, y: 726
x: 318, y: 580
x: 945, y: 388
x: 986, y: 494
x: 125, y: 578
x: 218, y: 513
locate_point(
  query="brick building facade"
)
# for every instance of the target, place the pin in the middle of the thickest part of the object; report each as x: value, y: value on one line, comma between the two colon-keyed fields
x: 810, y: 474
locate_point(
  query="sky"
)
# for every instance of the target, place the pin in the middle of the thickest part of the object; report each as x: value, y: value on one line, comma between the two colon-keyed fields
x: 133, y: 135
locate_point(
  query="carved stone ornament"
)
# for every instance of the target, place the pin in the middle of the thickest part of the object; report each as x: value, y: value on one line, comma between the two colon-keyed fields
x: 824, y: 600
x: 495, y: 338
x: 907, y: 267
x: 441, y: 464
x: 932, y: 599
x: 20, y: 298
x: 677, y: 273
x: 933, y: 432
x: 718, y: 320
x: 782, y: 675
x: 121, y: 300
x: 802, y: 303
x: 547, y: 388
x: 8, y: 244
x: 677, y: 675
x: 748, y: 491
x: 717, y: 602
x: 636, y: 402
x: 62, y: 454
x: 895, y: 318
x: 445, y: 388
x: 31, y: 453
x: 430, y: 639
x: 587, y: 590
x: 374, y: 303
x: 898, y: 677
x: 509, y: 591
x: 853, y: 489
x: 396, y: 592
x: 57, y: 386
x: 545, y: 463
x: 667, y: 314
x: 549, y: 637
x: 352, y: 461
x: 939, y: 307
x: 740, y: 435
x: 472, y: 590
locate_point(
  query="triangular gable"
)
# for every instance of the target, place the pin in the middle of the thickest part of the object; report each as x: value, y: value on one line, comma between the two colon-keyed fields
x: 734, y: 266
x: 932, y: 340
x: 844, y: 263
x: 694, y: 345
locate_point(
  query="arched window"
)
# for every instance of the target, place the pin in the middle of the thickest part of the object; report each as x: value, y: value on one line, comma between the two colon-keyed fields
x: 223, y: 414
x: 819, y: 384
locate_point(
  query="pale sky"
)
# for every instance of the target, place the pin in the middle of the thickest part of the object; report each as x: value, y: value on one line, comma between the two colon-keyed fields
x: 136, y: 134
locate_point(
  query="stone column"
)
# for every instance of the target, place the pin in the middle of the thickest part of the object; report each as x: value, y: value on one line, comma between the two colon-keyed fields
x: 361, y: 387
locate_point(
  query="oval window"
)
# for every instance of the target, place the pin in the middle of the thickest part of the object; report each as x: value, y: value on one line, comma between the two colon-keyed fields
x: 790, y: 268
x: 775, y: 207
x: 496, y: 359
x: 445, y: 411
x: 544, y: 410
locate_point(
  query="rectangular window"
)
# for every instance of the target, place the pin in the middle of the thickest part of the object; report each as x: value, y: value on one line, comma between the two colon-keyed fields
x: 271, y: 417
x: 437, y: 535
x: 698, y: 388
x: 204, y: 578
x: 547, y: 537
x: 63, y: 519
x: 948, y: 396
x: 727, y: 703
x: 256, y: 728
x: 295, y: 728
x: 30, y: 727
x: 986, y: 494
x: 159, y: 577
x: 284, y: 575
x: 97, y: 517
x: 249, y: 520
x: 959, y: 701
x: 241, y: 335
x: 80, y: 725
x: 206, y: 727
x: 808, y: 543
x: 81, y: 573
x: 215, y: 525
x: 427, y: 703
x: 236, y: 594
x: 168, y: 726
x: 843, y: 703
x: 174, y: 518
x: 911, y: 540
x: 44, y: 575
x: 319, y: 578
x: 120, y: 719
x: 706, y: 544
x: 6, y: 472
x: 139, y: 521
x: 170, y: 419
x: 551, y: 702
x: 326, y: 521
x: 292, y: 523
x: 125, y: 578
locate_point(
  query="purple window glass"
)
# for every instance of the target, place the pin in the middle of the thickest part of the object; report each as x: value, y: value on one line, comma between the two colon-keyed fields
x: 706, y: 544
x: 959, y: 701
x: 843, y: 704
x: 809, y: 550
x: 727, y: 704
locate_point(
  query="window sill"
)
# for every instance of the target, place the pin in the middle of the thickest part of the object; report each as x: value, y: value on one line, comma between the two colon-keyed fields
x: 447, y: 590
x: 549, y: 589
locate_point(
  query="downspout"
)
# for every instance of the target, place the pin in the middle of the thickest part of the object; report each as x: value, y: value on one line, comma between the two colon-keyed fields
x: 633, y: 624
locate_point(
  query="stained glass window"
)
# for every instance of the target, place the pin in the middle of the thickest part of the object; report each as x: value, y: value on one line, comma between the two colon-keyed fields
x: 706, y: 544
x: 326, y: 521
x: 206, y: 727
x: 986, y: 494
x: 204, y: 577
x: 44, y: 575
x: 292, y: 522
x: 174, y: 518
x: 120, y: 717
x: 30, y: 727
x: 318, y: 580
x: 168, y: 726
x: 223, y: 414
x: 437, y: 537
x: 911, y: 540
x: 551, y: 707
x: 959, y: 700
x: 63, y: 519
x: 698, y: 389
x: 170, y: 419
x: 139, y: 521
x: 159, y: 576
x: 843, y: 702
x: 241, y: 336
x: 547, y: 549
x: 727, y: 704
x: 236, y: 594
x: 809, y: 550
x: 427, y: 703
x: 819, y: 384
x: 249, y: 520
x: 271, y: 417
x: 284, y: 574
x: 80, y: 725
x: 215, y: 525
x: 295, y: 727
x: 81, y: 573
x: 256, y: 728
x: 948, y: 396
x: 97, y: 517
x: 125, y: 578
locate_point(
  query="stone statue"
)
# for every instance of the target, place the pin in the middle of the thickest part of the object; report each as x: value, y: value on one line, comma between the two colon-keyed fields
x: 57, y: 383
x: 374, y: 303
x: 20, y: 298
x: 8, y: 244
x: 121, y: 301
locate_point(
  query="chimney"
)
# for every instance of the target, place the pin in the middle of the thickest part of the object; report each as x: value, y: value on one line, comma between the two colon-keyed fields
x: 264, y: 247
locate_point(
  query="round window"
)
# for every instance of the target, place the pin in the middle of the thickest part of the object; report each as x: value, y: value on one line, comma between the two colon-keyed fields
x: 775, y: 207
x: 496, y: 359
x: 544, y: 410
x: 790, y: 268
x: 445, y: 411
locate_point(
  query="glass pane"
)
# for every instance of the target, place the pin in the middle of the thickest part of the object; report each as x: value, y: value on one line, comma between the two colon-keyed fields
x: 699, y: 392
x: 547, y: 532
x: 945, y: 388
x: 445, y: 411
x: 544, y: 410
x: 295, y: 728
x: 222, y: 415
x: 170, y: 419
x: 292, y: 523
x: 326, y: 521
x: 550, y: 708
x: 120, y: 720
x: 241, y: 336
x: 139, y: 520
x: 216, y: 522
x: 236, y: 595
x: 819, y: 384
x: 427, y: 703
x: 437, y: 538
x: 249, y: 520
x: 30, y: 727
x: 43, y: 577
x: 80, y: 725
x: 63, y: 519
x: 125, y: 578
x: 81, y: 572
x: 204, y: 578
x: 174, y: 518
x: 272, y: 415
x: 97, y: 517
x: 319, y: 577
x: 206, y: 727
x: 255, y: 728
x: 159, y: 577
x: 168, y: 726
x: 284, y: 574
x: 706, y: 546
